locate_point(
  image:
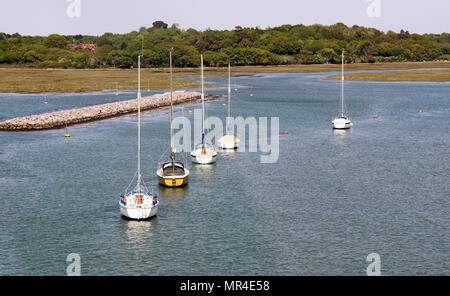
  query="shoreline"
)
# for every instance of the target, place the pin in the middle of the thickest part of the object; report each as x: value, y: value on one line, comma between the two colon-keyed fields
x: 59, y: 119
x: 38, y: 81
x: 416, y: 75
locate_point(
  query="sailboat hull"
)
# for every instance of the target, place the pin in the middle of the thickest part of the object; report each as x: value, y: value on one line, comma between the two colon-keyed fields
x: 138, y: 212
x: 228, y: 142
x: 173, y: 181
x: 205, y: 155
x: 203, y: 158
x: 341, y: 123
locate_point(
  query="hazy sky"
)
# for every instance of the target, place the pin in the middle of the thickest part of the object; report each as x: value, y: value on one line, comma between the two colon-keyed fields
x: 43, y: 17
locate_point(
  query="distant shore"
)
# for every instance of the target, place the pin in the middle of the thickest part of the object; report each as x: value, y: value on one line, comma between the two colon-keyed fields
x: 62, y: 118
x: 416, y: 75
x: 34, y: 81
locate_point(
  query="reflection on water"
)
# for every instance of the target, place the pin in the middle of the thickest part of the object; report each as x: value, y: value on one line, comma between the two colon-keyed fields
x: 173, y: 193
x: 342, y: 132
x: 228, y: 154
x: 341, y: 136
x: 204, y: 172
x: 138, y: 233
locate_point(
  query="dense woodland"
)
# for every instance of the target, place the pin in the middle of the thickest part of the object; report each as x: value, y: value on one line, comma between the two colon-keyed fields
x: 287, y: 44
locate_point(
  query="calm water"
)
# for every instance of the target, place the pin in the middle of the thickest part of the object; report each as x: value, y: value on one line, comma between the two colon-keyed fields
x: 330, y: 200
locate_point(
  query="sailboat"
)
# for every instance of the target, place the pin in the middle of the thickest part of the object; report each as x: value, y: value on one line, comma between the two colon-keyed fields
x: 138, y: 203
x: 229, y: 141
x: 172, y: 173
x: 204, y: 153
x: 342, y: 121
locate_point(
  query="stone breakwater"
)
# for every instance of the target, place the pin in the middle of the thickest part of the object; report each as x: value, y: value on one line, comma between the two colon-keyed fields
x: 62, y: 118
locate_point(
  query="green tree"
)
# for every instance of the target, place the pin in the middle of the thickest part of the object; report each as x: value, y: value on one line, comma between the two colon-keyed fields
x: 123, y: 62
x: 102, y: 54
x: 328, y: 54
x: 160, y: 25
x: 215, y: 59
x: 57, y: 41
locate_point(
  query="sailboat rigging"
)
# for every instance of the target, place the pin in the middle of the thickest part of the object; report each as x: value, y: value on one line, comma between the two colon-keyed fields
x: 204, y: 153
x: 342, y: 121
x: 229, y: 141
x: 172, y: 173
x: 138, y: 203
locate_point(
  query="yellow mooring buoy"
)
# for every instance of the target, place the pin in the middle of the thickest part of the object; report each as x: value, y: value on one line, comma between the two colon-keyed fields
x: 235, y: 89
x: 224, y: 105
x: 67, y: 135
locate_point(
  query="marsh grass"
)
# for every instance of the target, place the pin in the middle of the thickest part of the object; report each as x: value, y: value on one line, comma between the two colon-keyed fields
x: 30, y: 80
x: 416, y: 75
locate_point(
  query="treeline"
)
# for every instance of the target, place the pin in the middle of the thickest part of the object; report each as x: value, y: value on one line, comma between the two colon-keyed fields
x: 287, y: 44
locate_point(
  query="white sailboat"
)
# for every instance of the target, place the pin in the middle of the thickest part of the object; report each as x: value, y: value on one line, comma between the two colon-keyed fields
x: 138, y: 203
x: 342, y: 121
x: 229, y: 141
x: 172, y: 173
x: 204, y: 153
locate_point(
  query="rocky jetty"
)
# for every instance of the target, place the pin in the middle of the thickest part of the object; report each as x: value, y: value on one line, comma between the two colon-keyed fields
x: 62, y: 118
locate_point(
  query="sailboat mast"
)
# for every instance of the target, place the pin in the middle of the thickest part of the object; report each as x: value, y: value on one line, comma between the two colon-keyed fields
x: 342, y: 85
x: 171, y: 106
x: 139, y: 124
x: 203, y: 102
x: 229, y: 99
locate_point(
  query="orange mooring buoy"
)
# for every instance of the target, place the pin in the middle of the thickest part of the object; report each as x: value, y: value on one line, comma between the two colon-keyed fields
x: 285, y: 132
x: 376, y: 117
x: 421, y: 111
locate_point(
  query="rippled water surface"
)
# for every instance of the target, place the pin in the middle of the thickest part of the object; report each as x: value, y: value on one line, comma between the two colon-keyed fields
x: 330, y: 200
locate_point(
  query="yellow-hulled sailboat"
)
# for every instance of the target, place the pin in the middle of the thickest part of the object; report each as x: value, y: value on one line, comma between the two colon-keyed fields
x: 172, y: 173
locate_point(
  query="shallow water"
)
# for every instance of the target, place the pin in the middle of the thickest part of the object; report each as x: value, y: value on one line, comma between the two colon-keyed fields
x: 330, y: 200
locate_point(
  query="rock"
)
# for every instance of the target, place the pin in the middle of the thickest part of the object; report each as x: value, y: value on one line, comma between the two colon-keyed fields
x: 62, y: 118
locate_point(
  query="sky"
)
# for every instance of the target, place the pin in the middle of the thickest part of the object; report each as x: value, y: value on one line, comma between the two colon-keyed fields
x: 95, y: 17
